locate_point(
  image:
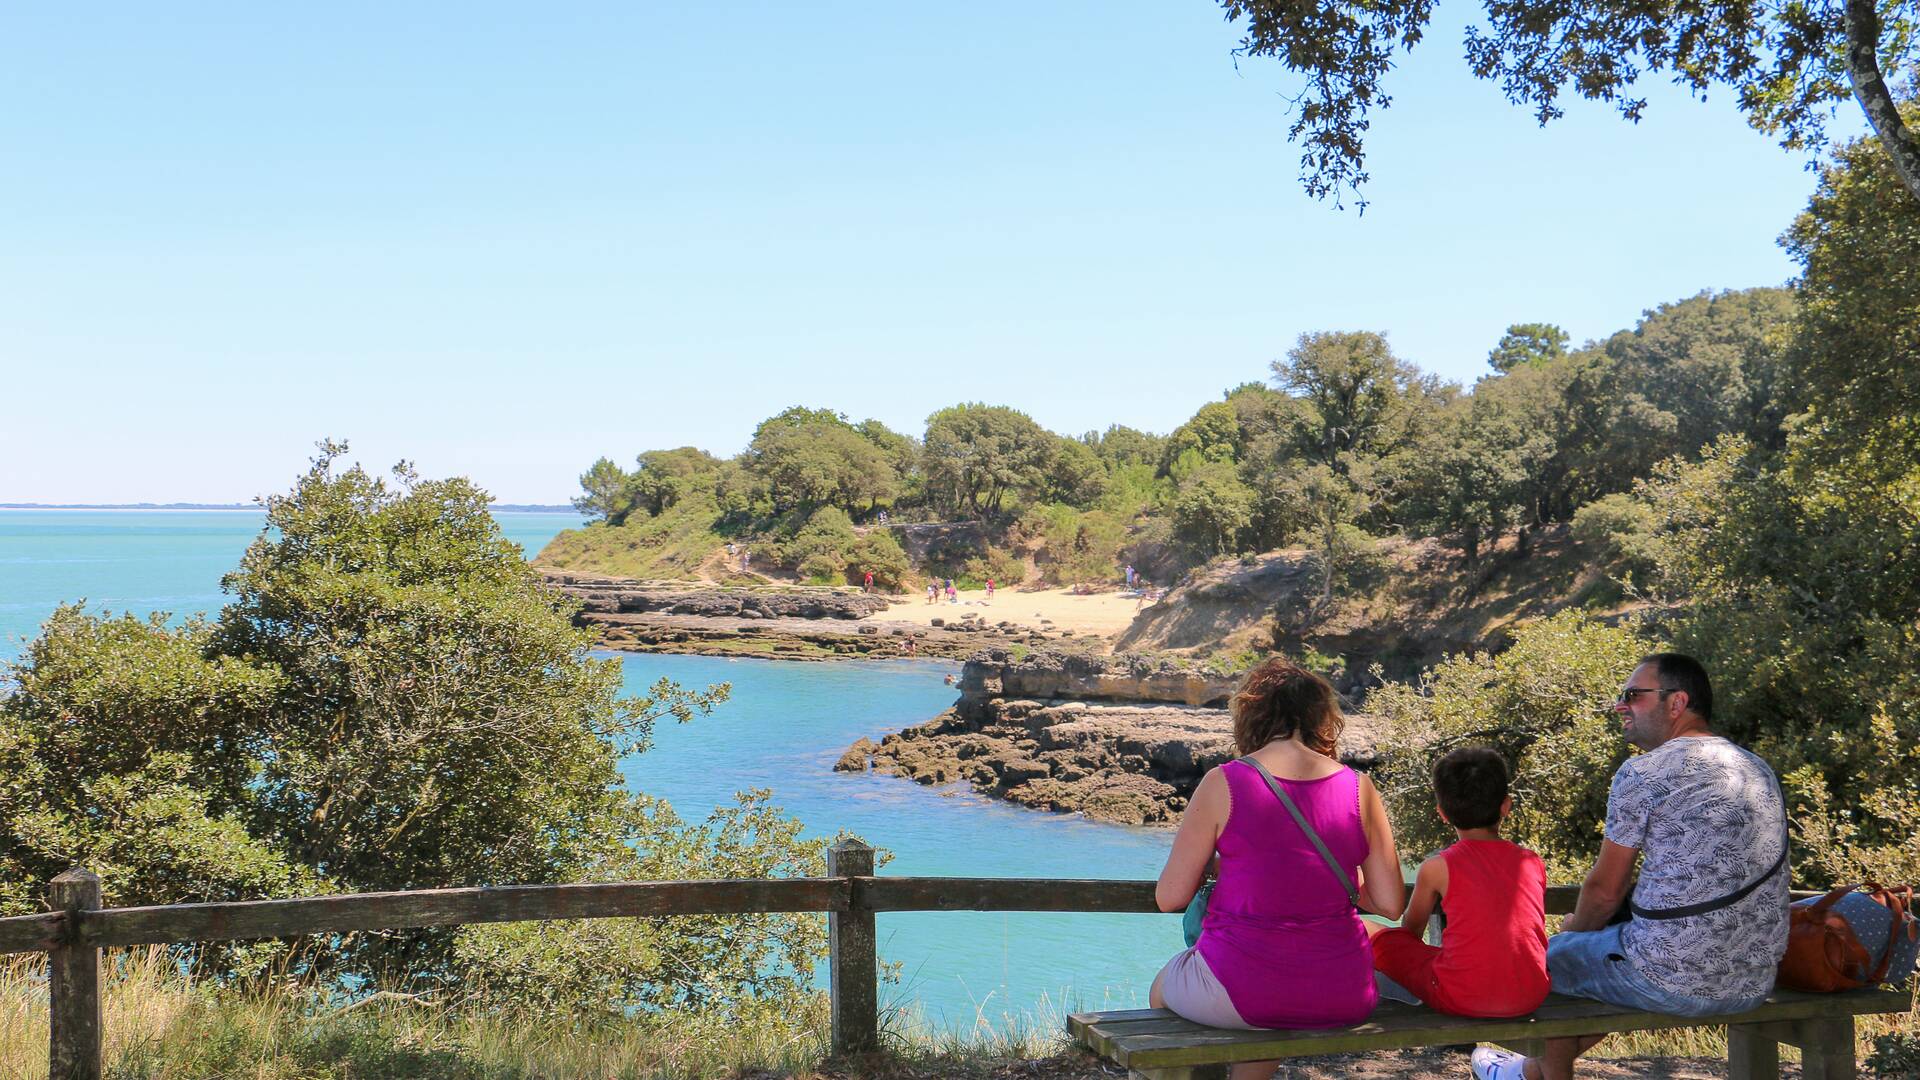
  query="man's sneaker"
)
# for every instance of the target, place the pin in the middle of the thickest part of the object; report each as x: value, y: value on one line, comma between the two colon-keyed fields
x: 1492, y: 1063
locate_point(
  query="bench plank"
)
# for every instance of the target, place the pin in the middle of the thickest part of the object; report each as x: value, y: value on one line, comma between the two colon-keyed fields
x: 1154, y: 1039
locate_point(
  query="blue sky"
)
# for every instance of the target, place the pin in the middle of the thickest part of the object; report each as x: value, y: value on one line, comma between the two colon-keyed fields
x: 501, y: 243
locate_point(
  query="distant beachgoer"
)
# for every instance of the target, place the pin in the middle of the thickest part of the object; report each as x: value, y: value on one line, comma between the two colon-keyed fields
x: 746, y: 560
x: 729, y: 550
x: 932, y: 590
x: 989, y: 590
x: 866, y: 583
x: 953, y: 594
x: 949, y: 680
x: 1146, y: 594
x: 883, y: 517
x: 912, y: 646
x: 1130, y: 575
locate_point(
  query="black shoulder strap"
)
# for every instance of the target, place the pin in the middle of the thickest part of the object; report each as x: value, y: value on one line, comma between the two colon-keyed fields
x: 1286, y: 800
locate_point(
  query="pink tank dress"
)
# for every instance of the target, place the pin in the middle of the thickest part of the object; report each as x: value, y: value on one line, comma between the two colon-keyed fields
x: 1280, y: 934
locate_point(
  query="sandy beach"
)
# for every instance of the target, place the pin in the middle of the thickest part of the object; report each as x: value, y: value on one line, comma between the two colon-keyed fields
x: 1099, y: 613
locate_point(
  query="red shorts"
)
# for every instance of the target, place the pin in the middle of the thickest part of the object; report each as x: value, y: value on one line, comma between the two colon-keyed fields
x: 1410, y: 962
x: 1407, y: 960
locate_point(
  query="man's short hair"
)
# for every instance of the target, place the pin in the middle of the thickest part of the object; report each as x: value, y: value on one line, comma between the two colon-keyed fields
x: 1471, y: 783
x: 1678, y: 671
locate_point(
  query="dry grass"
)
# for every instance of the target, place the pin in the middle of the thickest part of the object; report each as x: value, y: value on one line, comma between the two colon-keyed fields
x: 161, y: 1026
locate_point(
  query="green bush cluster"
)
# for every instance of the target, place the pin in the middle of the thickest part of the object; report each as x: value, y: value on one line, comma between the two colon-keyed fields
x: 392, y: 700
x: 1545, y: 704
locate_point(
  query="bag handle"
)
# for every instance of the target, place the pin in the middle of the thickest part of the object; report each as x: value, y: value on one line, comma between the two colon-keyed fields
x: 1353, y: 894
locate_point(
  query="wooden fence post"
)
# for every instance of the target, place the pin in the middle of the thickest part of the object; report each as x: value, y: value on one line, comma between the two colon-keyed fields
x: 73, y: 982
x: 853, y: 959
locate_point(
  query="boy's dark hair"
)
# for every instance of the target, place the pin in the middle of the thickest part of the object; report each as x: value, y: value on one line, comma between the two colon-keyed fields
x: 1471, y: 783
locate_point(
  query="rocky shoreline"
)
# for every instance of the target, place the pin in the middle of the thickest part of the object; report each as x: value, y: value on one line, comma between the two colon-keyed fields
x: 1123, y: 739
x: 777, y: 622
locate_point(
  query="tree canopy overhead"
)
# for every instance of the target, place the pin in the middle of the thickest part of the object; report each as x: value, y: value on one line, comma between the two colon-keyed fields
x: 1788, y: 64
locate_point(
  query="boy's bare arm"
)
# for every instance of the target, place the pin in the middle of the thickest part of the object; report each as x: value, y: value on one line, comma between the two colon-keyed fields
x: 1429, y: 885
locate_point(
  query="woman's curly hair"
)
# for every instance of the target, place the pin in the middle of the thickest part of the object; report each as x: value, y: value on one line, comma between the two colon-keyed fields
x: 1280, y: 698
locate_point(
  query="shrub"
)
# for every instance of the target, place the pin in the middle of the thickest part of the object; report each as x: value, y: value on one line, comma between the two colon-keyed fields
x: 879, y: 553
x: 1621, y: 529
x: 823, y: 548
x: 1544, y: 704
x: 1002, y: 566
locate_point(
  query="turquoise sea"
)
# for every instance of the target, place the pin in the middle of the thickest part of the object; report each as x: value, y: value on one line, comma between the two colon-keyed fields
x: 782, y: 730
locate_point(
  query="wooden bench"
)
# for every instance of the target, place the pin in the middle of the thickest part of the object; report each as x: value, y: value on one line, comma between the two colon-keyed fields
x: 1157, y: 1045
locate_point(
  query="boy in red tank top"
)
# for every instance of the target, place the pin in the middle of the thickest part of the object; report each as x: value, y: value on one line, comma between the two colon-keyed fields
x: 1492, y: 960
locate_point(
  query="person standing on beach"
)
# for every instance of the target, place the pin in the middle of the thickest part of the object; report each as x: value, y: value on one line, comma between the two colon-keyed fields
x: 932, y: 590
x: 989, y: 590
x: 866, y: 583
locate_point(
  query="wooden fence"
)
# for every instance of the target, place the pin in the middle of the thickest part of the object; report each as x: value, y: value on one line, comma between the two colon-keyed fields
x: 76, y: 927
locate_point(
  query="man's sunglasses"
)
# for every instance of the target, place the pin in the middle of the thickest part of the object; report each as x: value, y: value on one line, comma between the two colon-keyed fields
x: 1626, y: 696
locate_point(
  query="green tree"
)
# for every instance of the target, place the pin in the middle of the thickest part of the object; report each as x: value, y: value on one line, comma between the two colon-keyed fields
x: 1358, y: 399
x: 1212, y: 509
x: 1787, y: 65
x: 901, y: 451
x: 1213, y: 434
x: 392, y: 700
x: 1076, y: 475
x: 605, y: 493
x: 1527, y: 343
x: 809, y: 458
x: 1467, y: 480
x: 1713, y: 362
x: 664, y: 477
x: 976, y: 455
x: 1120, y: 446
x: 1794, y: 569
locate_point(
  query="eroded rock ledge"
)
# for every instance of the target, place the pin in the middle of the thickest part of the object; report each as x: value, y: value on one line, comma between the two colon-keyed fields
x: 1120, y: 738
x: 774, y: 622
x: 620, y: 596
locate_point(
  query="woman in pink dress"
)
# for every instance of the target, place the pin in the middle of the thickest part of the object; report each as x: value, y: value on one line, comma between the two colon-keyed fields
x: 1282, y: 945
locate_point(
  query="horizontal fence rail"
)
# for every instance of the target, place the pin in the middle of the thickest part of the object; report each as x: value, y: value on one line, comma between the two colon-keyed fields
x: 177, y: 924
x: 174, y: 923
x: 78, y: 928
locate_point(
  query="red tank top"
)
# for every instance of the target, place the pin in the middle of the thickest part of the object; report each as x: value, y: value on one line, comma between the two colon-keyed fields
x: 1493, y: 956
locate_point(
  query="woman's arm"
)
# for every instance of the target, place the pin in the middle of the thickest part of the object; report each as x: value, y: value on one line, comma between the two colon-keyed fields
x: 1429, y: 885
x: 1193, y: 844
x: 1382, y: 890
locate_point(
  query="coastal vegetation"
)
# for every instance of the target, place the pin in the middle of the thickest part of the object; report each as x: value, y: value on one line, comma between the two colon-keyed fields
x: 1345, y: 444
x: 392, y: 700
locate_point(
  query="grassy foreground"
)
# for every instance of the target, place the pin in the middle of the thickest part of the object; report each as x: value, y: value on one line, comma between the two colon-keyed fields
x: 159, y: 1026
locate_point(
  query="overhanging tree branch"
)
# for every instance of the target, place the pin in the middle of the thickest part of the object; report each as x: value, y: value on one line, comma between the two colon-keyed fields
x: 1870, y: 88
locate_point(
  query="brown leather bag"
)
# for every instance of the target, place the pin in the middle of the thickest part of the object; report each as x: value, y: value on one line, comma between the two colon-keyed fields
x: 1824, y: 956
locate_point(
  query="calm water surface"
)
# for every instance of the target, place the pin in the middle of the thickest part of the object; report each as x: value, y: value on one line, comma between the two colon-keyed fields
x: 782, y: 730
